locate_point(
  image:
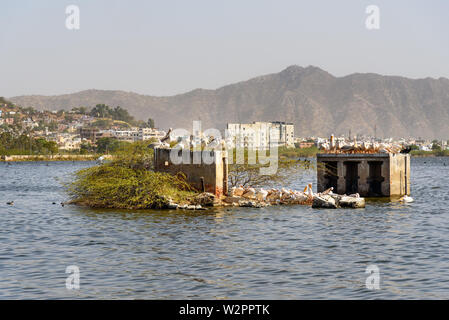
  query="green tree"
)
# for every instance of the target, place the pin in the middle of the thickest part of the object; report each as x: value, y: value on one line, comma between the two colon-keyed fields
x: 106, y: 145
x: 86, y: 148
x: 100, y: 111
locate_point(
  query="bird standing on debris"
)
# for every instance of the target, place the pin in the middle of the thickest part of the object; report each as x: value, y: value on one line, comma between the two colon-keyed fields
x: 261, y: 194
x: 309, y: 191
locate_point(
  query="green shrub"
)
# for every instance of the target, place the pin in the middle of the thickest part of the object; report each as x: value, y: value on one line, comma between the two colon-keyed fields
x: 127, y: 182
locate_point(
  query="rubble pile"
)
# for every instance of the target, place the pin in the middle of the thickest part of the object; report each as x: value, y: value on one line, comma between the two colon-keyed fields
x: 258, y: 198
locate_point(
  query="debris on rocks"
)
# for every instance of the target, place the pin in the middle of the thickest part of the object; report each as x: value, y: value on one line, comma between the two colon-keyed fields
x: 259, y: 198
x: 250, y: 197
x: 205, y: 199
x: 325, y: 201
x: 351, y: 202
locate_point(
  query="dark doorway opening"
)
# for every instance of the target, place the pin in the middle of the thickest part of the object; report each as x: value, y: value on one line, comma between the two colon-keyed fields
x: 375, y: 178
x: 331, y: 175
x: 352, y: 176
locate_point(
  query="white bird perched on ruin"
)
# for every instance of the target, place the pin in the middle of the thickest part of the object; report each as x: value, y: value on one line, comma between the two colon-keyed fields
x: 309, y: 191
x: 158, y: 144
x: 340, y: 144
x: 365, y: 146
x: 325, y: 146
x: 212, y: 142
x: 261, y: 194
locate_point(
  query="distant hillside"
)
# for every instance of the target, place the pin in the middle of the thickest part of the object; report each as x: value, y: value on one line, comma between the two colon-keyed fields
x: 315, y: 101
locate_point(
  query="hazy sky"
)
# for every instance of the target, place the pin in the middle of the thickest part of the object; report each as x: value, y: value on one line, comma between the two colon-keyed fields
x: 169, y: 47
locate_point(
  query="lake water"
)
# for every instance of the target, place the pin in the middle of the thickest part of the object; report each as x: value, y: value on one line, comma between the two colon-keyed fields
x: 290, y: 252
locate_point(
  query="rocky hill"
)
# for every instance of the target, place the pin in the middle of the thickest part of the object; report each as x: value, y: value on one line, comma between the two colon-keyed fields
x: 317, y: 102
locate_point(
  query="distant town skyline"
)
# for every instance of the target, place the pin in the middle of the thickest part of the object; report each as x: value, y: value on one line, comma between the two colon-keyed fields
x: 172, y: 47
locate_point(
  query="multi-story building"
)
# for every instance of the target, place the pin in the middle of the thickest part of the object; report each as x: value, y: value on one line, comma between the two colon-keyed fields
x: 89, y: 134
x: 260, y: 135
x: 137, y: 134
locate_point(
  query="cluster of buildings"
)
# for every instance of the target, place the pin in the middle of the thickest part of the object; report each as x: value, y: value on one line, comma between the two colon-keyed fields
x: 68, y: 129
x: 130, y: 135
x: 261, y: 135
x: 7, y: 117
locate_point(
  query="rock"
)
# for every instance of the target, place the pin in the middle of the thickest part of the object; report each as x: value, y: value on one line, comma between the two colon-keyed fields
x: 249, y: 193
x: 336, y: 197
x: 191, y: 207
x: 199, y: 207
x: 273, y: 196
x: 182, y: 207
x: 172, y: 206
x: 352, y: 202
x: 324, y: 202
x: 249, y: 204
x: 237, y: 191
x: 232, y: 199
x: 205, y: 199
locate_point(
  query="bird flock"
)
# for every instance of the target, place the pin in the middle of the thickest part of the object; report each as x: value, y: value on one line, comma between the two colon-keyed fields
x: 365, y: 147
x: 279, y: 196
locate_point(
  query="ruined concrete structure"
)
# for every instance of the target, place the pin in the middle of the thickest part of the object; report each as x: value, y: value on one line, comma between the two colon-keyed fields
x: 370, y: 175
x: 204, y: 170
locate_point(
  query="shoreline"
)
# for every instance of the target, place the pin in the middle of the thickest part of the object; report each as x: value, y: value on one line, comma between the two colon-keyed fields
x: 93, y: 157
x: 57, y: 157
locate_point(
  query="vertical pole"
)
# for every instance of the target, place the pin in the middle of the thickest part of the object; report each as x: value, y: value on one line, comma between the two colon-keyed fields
x: 225, y: 175
x: 405, y: 163
x: 203, y: 188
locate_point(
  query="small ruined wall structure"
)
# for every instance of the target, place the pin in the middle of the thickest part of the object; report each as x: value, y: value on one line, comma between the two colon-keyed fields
x: 203, y: 169
x: 370, y: 175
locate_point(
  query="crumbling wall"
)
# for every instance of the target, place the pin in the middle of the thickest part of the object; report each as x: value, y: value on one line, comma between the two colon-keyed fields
x: 400, y: 174
x: 206, y: 169
x: 391, y: 177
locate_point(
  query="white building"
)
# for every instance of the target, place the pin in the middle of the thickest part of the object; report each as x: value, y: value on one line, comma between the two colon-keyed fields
x: 137, y: 134
x: 260, y: 135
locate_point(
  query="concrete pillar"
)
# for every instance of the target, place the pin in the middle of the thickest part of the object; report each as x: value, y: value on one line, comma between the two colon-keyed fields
x: 341, y: 170
x: 363, y: 185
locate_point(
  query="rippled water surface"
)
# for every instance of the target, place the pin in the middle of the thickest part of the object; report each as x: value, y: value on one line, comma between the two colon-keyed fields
x: 290, y: 252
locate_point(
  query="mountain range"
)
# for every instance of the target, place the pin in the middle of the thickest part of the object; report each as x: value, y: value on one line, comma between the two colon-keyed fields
x: 317, y: 102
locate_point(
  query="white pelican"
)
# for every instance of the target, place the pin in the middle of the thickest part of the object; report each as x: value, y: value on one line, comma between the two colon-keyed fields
x: 406, y: 199
x: 310, y: 191
x: 261, y: 194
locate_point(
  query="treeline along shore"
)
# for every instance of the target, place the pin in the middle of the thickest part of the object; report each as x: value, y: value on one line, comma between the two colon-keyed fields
x: 284, y: 153
x: 55, y: 157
